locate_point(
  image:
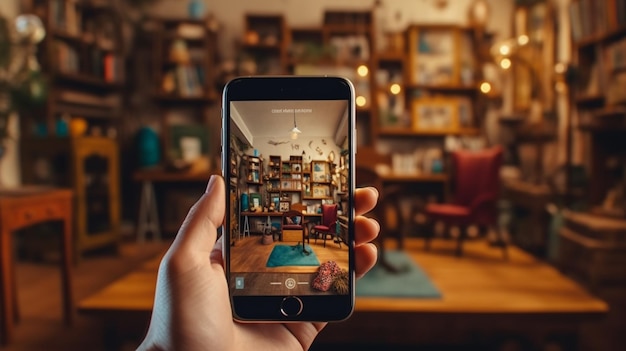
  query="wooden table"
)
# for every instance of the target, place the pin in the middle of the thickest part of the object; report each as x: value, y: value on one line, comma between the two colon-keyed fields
x: 148, y: 216
x: 481, y: 293
x: 20, y: 208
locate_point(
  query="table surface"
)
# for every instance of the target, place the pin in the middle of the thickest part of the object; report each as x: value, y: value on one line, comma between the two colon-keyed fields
x: 161, y: 175
x: 22, y: 207
x: 481, y: 282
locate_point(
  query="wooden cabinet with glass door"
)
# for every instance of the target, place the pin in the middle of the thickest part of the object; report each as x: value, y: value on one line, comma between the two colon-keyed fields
x: 89, y: 166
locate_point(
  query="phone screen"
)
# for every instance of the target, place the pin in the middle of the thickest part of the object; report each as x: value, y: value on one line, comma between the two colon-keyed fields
x: 290, y: 213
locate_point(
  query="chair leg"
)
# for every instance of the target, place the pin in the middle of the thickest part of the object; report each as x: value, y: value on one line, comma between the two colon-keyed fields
x: 430, y: 233
x: 337, y: 240
x: 502, y: 242
x: 462, y: 235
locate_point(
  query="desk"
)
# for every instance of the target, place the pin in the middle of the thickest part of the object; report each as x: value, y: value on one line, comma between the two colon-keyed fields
x: 481, y: 293
x: 20, y: 208
x: 148, y: 217
x: 530, y: 218
x: 306, y: 224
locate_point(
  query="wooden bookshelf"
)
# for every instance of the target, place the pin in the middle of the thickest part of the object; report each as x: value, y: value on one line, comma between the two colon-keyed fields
x: 82, y: 58
x: 183, y: 50
x: 599, y: 95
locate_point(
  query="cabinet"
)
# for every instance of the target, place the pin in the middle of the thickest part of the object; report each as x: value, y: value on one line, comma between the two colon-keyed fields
x: 72, y: 141
x: 90, y: 167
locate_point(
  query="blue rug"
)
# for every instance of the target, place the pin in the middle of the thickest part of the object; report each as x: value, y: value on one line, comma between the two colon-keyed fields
x: 410, y: 282
x: 286, y: 255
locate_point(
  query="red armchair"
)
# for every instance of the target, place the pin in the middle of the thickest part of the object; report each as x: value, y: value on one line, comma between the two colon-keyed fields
x: 328, y: 227
x: 476, y: 190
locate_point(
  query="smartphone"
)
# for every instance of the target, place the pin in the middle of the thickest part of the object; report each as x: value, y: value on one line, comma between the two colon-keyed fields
x: 288, y: 146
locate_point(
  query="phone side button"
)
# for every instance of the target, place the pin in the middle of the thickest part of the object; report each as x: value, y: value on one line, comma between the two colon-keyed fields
x: 291, y: 306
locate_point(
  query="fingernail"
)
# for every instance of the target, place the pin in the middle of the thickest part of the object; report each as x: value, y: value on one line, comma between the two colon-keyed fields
x: 376, y: 223
x: 210, y: 185
x: 375, y: 190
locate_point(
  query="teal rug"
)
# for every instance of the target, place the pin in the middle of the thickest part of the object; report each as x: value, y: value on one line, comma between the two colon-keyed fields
x: 411, y: 281
x: 286, y: 255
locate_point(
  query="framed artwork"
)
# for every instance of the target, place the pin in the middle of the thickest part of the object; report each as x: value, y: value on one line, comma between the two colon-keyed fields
x: 320, y: 171
x: 255, y: 201
x: 284, y: 206
x: 321, y: 190
x: 434, y: 55
x: 187, y: 142
x: 435, y: 114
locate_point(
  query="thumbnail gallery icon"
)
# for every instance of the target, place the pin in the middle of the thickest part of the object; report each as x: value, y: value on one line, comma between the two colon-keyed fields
x: 239, y: 283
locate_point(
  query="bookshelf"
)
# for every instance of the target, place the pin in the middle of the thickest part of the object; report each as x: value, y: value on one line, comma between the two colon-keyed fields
x: 599, y: 98
x: 72, y: 141
x: 184, y: 62
x: 264, y: 44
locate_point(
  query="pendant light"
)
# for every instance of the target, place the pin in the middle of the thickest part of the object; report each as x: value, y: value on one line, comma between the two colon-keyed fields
x: 295, y: 131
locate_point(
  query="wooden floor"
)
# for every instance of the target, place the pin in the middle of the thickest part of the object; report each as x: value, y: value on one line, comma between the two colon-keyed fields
x: 249, y: 255
x: 482, y: 293
x: 38, y: 282
x: 481, y: 281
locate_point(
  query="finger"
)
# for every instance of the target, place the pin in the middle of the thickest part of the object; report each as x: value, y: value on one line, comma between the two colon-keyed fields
x: 217, y: 252
x: 199, y: 230
x: 365, y: 230
x: 365, y: 258
x: 365, y: 200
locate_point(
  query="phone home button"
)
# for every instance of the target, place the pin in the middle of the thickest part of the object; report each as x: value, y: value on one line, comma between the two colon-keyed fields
x: 291, y: 306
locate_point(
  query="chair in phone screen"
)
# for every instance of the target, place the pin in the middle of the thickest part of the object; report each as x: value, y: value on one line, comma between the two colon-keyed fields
x: 328, y: 227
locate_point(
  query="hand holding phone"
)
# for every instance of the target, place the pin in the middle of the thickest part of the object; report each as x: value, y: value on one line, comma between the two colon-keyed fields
x: 191, y: 307
x: 288, y: 153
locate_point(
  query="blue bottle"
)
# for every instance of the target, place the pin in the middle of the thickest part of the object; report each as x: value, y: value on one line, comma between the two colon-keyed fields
x: 148, y: 149
x: 196, y: 9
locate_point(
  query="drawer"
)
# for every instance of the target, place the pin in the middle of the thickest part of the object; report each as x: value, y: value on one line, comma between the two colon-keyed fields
x: 27, y: 215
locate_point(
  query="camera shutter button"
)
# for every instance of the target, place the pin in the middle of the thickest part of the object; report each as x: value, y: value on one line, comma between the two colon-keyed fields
x: 291, y: 306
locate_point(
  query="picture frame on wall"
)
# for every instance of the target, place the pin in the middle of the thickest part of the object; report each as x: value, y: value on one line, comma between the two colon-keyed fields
x: 284, y: 206
x: 319, y: 171
x: 255, y: 201
x: 321, y: 191
x: 434, y: 55
x: 435, y: 114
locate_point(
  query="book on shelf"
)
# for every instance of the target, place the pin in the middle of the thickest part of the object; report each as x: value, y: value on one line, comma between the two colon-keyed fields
x: 113, y: 69
x: 65, y: 17
x: 615, y: 55
x: 189, y: 80
x: 596, y: 17
x: 67, y: 58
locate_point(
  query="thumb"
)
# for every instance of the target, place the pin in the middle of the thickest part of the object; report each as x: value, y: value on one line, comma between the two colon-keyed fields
x: 198, y: 232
